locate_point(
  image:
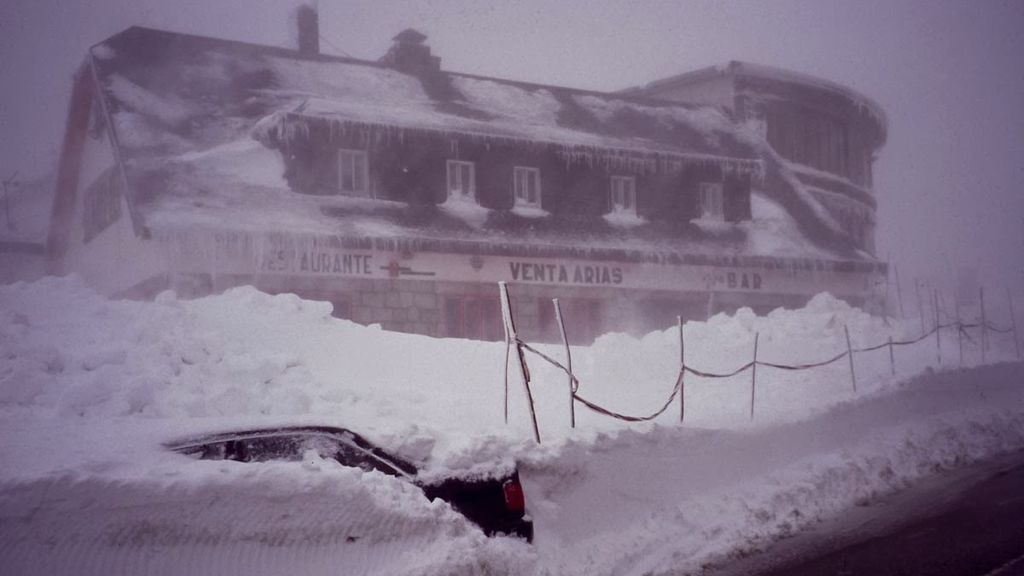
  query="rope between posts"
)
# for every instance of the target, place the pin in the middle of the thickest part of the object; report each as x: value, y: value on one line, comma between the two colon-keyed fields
x: 596, y: 407
x: 623, y: 417
x: 552, y: 361
x: 703, y: 374
x: 806, y: 366
x: 961, y: 327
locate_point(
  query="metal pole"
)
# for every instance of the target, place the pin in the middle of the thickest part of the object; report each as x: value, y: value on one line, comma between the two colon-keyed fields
x: 885, y: 299
x: 920, y: 307
x: 942, y: 306
x: 1013, y: 319
x: 682, y: 372
x: 892, y: 357
x: 899, y: 290
x: 8, y: 184
x: 959, y: 330
x: 938, y: 339
x: 524, y: 372
x: 7, y: 203
x: 984, y: 325
x: 849, y: 353
x: 753, y: 376
x: 568, y: 363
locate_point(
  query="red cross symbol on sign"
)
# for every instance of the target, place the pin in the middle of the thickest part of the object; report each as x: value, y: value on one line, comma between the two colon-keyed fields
x: 393, y: 268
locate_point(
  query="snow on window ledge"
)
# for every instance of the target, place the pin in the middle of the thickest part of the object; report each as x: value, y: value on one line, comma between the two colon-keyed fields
x: 466, y: 209
x: 624, y: 218
x: 530, y: 211
x: 712, y: 224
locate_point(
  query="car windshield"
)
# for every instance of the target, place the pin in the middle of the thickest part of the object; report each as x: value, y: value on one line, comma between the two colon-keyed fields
x: 260, y: 446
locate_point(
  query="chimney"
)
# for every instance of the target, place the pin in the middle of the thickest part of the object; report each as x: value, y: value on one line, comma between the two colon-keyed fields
x: 308, y: 26
x: 409, y: 54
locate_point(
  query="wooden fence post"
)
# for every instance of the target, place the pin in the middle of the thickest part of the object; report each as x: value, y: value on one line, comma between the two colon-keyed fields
x: 849, y: 353
x: 508, y: 349
x: 524, y: 372
x: 682, y: 372
x: 568, y: 363
x: 753, y: 376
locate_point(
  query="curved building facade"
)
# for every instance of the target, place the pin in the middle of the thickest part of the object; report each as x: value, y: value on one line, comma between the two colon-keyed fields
x: 828, y: 135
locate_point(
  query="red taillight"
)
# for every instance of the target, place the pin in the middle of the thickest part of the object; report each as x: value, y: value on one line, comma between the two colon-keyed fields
x: 515, y: 501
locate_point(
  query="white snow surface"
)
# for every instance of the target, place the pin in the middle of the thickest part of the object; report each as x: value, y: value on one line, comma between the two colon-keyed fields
x: 91, y: 388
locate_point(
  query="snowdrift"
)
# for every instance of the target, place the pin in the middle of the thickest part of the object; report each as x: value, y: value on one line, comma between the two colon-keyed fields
x: 90, y: 388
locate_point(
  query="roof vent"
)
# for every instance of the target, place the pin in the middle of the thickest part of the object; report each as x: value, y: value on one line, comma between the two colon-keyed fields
x: 409, y: 54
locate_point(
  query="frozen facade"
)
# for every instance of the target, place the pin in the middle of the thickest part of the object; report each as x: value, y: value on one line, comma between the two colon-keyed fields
x: 402, y: 192
x: 827, y: 134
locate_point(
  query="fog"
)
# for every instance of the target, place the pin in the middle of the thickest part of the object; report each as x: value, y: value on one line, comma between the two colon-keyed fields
x: 948, y: 74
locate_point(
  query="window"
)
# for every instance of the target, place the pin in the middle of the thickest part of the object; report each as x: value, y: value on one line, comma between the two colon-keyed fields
x: 527, y: 186
x: 475, y: 317
x: 461, y: 179
x: 711, y: 201
x: 353, y: 179
x: 624, y: 194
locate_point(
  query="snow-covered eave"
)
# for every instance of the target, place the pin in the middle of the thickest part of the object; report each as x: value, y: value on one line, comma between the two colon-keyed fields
x: 771, y: 73
x: 652, y: 254
x: 650, y: 157
x: 737, y: 68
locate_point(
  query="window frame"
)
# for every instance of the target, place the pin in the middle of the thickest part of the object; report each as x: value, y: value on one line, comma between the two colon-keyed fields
x: 365, y: 172
x: 619, y: 204
x: 458, y: 165
x: 517, y: 175
x: 706, y: 190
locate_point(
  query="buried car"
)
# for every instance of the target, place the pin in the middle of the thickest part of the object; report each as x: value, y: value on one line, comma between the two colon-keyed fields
x: 497, y: 504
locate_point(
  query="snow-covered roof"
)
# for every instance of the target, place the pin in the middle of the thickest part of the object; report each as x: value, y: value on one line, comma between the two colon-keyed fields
x: 773, y: 74
x: 184, y: 110
x: 167, y: 87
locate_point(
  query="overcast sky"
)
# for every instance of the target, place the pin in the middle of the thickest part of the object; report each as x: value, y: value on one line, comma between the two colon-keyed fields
x: 950, y: 181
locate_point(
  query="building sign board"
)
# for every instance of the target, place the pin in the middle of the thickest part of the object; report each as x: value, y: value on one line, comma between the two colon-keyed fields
x: 327, y: 263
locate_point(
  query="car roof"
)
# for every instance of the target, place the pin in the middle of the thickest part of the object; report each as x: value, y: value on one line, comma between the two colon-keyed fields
x: 333, y: 432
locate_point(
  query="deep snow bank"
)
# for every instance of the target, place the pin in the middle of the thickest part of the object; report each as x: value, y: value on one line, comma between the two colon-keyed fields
x: 90, y: 388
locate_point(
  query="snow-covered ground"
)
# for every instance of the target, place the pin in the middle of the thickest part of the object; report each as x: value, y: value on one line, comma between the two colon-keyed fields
x: 90, y: 389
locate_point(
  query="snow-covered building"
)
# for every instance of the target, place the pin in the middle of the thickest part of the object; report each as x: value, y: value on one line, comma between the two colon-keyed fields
x: 828, y: 134
x: 402, y: 192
